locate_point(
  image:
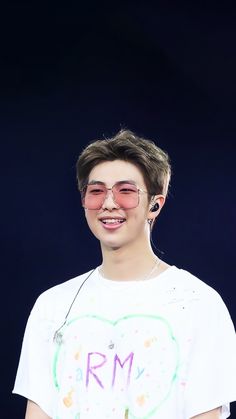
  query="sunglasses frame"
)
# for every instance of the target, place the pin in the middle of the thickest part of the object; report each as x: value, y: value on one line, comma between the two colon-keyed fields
x: 121, y: 182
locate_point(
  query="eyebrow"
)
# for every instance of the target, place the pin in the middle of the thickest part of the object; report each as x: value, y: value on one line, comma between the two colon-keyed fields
x: 98, y: 182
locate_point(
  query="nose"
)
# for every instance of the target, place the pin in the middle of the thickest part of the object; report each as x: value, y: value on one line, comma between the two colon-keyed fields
x: 109, y: 202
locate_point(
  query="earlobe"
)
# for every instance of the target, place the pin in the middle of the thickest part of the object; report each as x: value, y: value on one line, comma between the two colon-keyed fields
x: 156, y: 206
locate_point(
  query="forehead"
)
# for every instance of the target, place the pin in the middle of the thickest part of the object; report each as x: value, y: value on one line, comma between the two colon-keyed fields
x: 110, y: 172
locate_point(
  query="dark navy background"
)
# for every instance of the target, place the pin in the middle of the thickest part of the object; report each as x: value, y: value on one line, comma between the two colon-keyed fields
x: 71, y: 74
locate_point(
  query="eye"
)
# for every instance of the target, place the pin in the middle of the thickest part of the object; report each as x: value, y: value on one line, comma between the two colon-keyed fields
x: 127, y: 189
x: 95, y: 190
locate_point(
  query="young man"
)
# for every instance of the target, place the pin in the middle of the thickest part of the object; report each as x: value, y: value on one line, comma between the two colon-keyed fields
x: 135, y: 337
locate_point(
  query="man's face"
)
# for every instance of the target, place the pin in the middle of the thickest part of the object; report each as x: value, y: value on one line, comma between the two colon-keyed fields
x: 117, y: 227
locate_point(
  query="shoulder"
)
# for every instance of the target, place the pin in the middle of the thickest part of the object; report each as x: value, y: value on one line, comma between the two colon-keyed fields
x: 59, y: 297
x: 189, y: 282
x: 200, y: 296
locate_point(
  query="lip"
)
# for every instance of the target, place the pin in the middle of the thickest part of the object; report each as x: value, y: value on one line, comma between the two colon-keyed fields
x: 114, y: 225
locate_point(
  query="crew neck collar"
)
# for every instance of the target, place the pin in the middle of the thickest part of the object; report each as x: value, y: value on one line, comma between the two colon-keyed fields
x: 121, y: 284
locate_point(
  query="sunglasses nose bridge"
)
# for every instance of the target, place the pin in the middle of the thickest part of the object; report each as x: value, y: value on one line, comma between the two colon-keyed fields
x: 110, y: 197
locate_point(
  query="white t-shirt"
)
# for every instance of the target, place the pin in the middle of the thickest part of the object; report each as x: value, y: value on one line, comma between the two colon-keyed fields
x: 164, y: 348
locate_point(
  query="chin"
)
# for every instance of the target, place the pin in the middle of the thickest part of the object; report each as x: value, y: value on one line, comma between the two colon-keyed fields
x: 113, y: 248
x: 115, y: 244
x: 110, y: 245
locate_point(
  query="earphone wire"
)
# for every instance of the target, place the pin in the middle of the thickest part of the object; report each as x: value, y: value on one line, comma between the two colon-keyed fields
x: 57, y: 335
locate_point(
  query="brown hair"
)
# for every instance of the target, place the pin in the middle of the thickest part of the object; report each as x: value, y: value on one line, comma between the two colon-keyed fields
x: 153, y: 162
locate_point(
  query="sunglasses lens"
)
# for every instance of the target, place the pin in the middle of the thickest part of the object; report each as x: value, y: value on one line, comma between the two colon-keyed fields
x: 94, y: 196
x: 125, y: 195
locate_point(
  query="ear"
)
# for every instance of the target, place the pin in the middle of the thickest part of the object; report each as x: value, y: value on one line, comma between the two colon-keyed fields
x: 157, y: 199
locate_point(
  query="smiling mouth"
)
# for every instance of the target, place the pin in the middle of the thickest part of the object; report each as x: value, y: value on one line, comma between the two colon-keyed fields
x: 113, y: 220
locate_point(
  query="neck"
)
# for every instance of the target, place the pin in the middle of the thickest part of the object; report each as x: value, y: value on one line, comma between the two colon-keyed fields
x: 123, y: 264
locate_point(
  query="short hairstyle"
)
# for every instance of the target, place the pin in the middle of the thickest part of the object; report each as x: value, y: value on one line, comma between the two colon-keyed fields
x: 152, y: 161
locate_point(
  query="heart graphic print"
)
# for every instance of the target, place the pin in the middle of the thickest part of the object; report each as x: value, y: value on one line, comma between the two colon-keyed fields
x: 129, y: 364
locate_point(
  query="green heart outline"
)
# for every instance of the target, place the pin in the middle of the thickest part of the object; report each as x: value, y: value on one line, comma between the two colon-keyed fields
x: 114, y: 323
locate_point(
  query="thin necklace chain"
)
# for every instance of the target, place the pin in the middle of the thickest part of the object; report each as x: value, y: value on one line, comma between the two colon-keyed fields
x: 155, y: 266
x: 145, y: 278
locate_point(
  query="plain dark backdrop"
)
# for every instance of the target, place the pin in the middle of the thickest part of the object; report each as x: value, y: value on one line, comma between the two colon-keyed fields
x: 73, y: 73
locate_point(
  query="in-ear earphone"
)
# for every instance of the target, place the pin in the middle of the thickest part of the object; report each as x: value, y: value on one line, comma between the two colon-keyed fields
x: 155, y: 207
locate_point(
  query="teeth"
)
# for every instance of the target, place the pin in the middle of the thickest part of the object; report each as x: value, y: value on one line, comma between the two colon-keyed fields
x: 112, y: 221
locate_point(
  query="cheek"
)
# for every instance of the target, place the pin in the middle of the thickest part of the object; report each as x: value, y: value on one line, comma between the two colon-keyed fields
x: 90, y: 218
x: 139, y: 219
